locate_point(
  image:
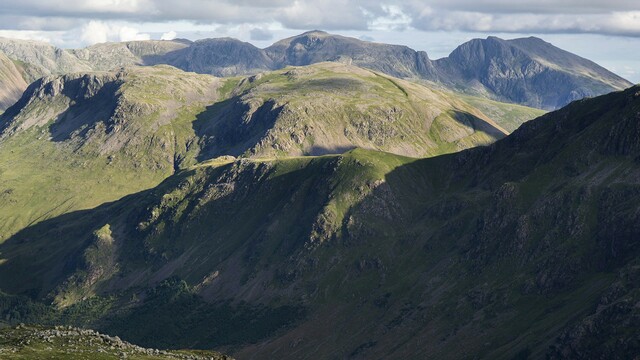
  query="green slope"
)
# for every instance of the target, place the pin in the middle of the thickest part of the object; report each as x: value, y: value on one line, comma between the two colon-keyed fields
x: 332, y: 107
x: 76, y: 141
x: 525, y: 248
x: 12, y: 83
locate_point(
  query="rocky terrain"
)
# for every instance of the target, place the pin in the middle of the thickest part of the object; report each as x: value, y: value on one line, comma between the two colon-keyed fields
x: 522, y: 249
x: 66, y: 342
x: 527, y: 71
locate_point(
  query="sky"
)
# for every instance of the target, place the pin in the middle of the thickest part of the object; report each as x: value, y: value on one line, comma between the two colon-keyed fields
x: 607, y: 32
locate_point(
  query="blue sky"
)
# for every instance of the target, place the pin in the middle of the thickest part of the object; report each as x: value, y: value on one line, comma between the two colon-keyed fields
x: 607, y: 32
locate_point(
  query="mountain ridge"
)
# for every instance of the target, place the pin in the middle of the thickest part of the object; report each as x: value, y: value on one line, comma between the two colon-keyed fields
x: 503, y: 70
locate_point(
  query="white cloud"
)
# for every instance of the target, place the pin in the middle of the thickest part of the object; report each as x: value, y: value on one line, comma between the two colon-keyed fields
x: 169, y: 35
x: 618, y: 17
x: 127, y: 33
x: 95, y: 32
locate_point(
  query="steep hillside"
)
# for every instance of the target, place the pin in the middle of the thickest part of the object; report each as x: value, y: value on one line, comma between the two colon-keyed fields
x: 526, y: 71
x: 221, y: 57
x: 12, y: 84
x: 78, y: 140
x: 82, y: 139
x: 523, y: 249
x: 110, y: 56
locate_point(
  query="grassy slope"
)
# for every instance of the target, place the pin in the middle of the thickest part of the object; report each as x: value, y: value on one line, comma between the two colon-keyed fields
x: 508, y: 116
x: 331, y: 107
x: 67, y: 151
x: 12, y: 83
x: 137, y: 134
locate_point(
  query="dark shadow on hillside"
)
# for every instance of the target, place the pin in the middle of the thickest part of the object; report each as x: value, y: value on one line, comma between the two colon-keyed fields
x: 62, y: 241
x: 317, y: 150
x: 477, y: 124
x: 85, y: 110
x: 232, y: 127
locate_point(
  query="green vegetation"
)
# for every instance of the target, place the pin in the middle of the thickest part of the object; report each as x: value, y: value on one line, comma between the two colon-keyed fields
x: 96, y: 138
x: 508, y: 116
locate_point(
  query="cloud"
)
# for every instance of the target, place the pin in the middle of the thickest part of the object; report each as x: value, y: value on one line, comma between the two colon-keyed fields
x: 127, y: 33
x: 169, y: 35
x: 616, y: 17
x: 95, y: 32
x: 259, y: 34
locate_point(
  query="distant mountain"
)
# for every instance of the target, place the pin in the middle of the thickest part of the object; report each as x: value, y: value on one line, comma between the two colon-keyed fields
x: 42, y: 59
x: 526, y: 71
x: 527, y: 248
x: 318, y: 46
x: 12, y: 83
x: 523, y: 71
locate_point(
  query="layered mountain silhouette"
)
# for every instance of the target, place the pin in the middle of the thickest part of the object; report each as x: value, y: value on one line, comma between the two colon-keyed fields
x: 524, y: 248
x: 524, y: 71
x: 334, y: 198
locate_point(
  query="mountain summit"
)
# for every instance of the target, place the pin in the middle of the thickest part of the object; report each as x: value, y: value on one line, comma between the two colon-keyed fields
x: 527, y: 71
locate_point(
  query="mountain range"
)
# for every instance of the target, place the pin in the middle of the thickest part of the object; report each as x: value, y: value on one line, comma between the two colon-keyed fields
x: 524, y: 248
x: 527, y: 71
x: 325, y: 197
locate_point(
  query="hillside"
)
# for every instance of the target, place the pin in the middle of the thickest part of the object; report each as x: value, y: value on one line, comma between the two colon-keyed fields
x: 12, y: 83
x: 318, y: 46
x: 524, y: 71
x: 75, y: 141
x: 526, y: 248
x: 331, y: 107
x: 79, y: 140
